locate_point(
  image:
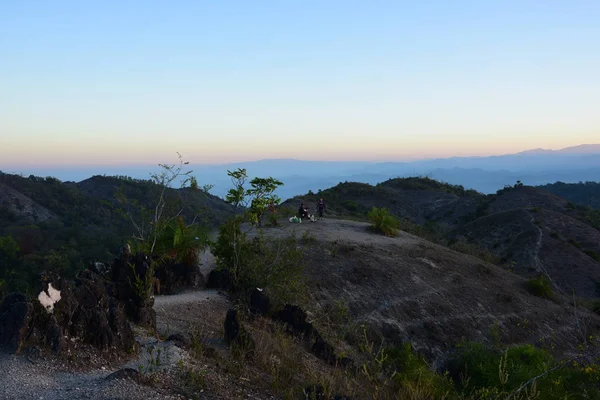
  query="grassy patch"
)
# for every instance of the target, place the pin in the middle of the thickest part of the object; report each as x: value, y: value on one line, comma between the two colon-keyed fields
x: 465, y: 247
x: 482, y: 372
x: 540, y: 287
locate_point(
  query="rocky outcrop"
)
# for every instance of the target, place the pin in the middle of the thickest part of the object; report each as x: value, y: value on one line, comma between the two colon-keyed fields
x: 220, y: 279
x: 16, y: 314
x: 100, y: 319
x: 133, y: 279
x: 83, y: 311
x: 297, y: 323
x: 259, y: 302
x: 174, y: 278
x: 235, y: 334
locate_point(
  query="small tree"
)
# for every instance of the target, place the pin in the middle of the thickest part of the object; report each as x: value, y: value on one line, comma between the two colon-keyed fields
x: 160, y: 230
x: 151, y: 223
x: 256, y: 262
x: 255, y: 199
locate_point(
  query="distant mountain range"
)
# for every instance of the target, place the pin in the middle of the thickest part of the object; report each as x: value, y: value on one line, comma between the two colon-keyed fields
x: 484, y: 174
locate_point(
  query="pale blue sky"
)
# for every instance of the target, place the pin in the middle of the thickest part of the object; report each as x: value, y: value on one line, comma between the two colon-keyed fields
x: 92, y: 82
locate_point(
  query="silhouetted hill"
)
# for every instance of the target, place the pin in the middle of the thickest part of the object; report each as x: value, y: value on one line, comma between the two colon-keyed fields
x: 525, y: 229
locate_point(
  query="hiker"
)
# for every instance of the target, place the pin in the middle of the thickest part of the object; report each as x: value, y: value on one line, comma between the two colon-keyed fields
x: 321, y: 207
x: 272, y: 207
x: 303, y: 212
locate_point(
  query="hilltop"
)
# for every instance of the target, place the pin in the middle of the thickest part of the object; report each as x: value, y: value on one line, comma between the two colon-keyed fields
x: 525, y: 229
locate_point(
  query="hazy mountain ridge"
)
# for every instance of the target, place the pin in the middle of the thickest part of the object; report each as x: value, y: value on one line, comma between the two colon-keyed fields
x: 485, y: 174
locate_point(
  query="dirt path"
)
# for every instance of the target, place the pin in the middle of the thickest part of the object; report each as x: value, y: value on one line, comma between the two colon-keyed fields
x: 333, y: 230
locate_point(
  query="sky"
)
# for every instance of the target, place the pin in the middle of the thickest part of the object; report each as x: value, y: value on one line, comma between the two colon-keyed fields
x: 124, y: 82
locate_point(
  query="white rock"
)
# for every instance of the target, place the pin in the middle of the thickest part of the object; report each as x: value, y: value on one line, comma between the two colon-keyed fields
x: 48, y: 300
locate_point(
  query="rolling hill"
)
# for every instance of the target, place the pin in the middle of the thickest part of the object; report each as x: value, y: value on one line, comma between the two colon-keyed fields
x: 525, y: 229
x: 63, y: 226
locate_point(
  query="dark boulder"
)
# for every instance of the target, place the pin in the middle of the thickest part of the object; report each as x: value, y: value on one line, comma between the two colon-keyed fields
x: 179, y: 339
x: 54, y: 336
x: 259, y: 302
x: 16, y: 314
x: 296, y: 320
x: 236, y: 335
x: 173, y: 278
x: 62, y: 310
x: 65, y: 308
x: 220, y: 279
x: 99, y: 268
x: 100, y: 320
x: 133, y: 279
x: 232, y: 326
x: 123, y: 335
x: 297, y: 323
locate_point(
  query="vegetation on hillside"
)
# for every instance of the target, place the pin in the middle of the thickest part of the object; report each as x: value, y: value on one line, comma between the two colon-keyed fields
x: 582, y: 193
x: 383, y: 222
x: 426, y: 183
x: 157, y: 220
x: 256, y: 263
x: 95, y: 218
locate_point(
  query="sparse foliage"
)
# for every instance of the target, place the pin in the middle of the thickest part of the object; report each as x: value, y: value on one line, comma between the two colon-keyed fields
x: 540, y: 286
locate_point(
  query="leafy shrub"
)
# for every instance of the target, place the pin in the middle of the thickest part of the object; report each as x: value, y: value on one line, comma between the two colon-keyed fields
x: 383, y: 222
x: 410, y: 369
x: 275, y: 264
x: 540, y: 287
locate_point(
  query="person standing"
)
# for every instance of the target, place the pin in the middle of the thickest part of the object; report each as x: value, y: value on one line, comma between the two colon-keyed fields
x: 321, y: 207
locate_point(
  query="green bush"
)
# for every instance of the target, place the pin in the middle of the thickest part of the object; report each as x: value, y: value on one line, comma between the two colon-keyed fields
x: 275, y: 264
x: 383, y: 222
x: 540, y: 287
x: 412, y: 369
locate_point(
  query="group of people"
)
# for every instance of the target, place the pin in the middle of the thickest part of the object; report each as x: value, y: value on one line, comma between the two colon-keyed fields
x: 303, y: 212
